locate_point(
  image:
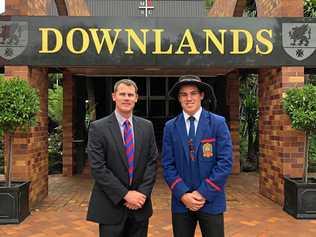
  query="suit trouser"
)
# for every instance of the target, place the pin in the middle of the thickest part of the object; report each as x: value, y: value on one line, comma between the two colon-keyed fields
x: 129, y: 227
x: 184, y: 224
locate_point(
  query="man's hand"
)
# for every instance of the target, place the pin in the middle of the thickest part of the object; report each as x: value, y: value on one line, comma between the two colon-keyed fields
x: 193, y: 201
x: 134, y: 200
x: 130, y: 206
x: 198, y: 195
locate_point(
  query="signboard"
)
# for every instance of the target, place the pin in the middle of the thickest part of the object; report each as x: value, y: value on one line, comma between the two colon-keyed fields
x: 170, y: 42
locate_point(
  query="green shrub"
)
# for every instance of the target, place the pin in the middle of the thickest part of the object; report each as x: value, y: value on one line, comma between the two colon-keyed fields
x: 1, y: 153
x: 309, y: 8
x: 300, y: 105
x: 19, y: 104
x: 55, y: 104
x: 55, y: 147
x: 312, y: 153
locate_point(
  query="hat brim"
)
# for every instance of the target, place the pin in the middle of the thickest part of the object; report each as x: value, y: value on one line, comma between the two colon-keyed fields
x: 203, y: 87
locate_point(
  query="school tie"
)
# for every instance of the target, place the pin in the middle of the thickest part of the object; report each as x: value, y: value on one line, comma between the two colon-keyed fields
x: 129, y: 149
x: 192, y: 128
x: 194, y: 165
x: 191, y: 138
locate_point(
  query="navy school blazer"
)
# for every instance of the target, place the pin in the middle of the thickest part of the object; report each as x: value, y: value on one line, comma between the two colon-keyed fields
x: 213, y: 151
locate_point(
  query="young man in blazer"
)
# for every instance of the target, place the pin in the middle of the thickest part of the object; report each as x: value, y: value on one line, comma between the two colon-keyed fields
x: 197, y: 159
x: 122, y: 153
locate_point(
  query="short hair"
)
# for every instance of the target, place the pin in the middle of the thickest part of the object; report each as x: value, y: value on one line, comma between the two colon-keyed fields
x: 127, y: 82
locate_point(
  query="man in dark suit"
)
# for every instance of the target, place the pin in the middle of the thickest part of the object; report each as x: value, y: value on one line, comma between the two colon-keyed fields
x: 197, y: 159
x: 122, y: 153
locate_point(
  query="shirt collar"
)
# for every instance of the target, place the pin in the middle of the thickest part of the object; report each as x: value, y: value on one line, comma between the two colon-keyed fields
x: 121, y: 119
x: 197, y: 115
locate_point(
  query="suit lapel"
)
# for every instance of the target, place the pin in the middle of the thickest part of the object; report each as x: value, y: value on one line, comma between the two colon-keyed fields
x: 138, y: 138
x: 201, y: 129
x: 182, y: 132
x: 117, y: 137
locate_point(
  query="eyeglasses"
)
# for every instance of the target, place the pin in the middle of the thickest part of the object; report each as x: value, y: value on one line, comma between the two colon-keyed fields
x: 191, y: 94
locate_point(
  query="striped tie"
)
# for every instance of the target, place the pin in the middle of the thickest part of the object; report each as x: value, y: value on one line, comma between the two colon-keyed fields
x: 129, y: 149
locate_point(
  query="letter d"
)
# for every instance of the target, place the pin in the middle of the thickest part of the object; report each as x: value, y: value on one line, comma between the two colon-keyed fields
x: 58, y: 36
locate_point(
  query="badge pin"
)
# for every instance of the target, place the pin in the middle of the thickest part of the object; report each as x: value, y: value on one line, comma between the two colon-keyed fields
x: 207, y: 150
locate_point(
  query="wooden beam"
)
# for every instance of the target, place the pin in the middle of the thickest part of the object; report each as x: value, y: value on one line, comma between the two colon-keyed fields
x: 61, y: 7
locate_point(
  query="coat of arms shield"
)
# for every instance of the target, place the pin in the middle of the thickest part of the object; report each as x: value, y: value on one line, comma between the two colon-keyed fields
x: 299, y: 39
x: 13, y: 38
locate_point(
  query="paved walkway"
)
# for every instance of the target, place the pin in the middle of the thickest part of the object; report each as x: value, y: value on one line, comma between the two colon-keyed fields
x: 63, y: 212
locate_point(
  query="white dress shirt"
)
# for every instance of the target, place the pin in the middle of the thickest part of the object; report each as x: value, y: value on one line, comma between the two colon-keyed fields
x: 197, y: 116
x: 121, y: 121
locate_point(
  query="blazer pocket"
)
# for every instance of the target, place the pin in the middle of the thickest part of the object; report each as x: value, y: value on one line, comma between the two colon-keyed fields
x: 207, y: 149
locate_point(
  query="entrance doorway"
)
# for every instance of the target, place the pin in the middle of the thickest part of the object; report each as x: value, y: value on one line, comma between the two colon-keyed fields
x: 94, y: 101
x: 154, y: 102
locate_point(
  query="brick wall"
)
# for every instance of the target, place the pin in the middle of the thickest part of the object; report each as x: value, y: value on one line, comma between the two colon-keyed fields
x: 264, y: 8
x: 68, y: 125
x: 74, y: 8
x: 31, y: 149
x: 227, y: 8
x: 223, y: 8
x: 27, y: 7
x: 77, y: 8
x: 40, y: 7
x: 30, y: 157
x: 281, y: 147
x: 232, y: 98
x: 280, y: 8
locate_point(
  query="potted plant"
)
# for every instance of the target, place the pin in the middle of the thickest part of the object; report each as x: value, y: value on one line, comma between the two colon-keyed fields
x: 300, y: 193
x: 19, y: 104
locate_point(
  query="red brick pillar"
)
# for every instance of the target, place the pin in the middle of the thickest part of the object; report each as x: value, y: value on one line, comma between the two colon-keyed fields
x: 224, y: 8
x: 279, y: 8
x: 27, y: 7
x: 281, y: 147
x: 232, y: 94
x: 30, y: 150
x: 68, y: 125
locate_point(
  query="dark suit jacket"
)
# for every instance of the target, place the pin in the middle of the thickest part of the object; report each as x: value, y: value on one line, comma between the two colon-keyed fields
x: 110, y: 169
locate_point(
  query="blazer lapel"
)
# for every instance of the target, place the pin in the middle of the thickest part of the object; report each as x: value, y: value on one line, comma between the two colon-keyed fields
x: 138, y: 138
x: 182, y: 132
x: 117, y: 136
x: 201, y: 129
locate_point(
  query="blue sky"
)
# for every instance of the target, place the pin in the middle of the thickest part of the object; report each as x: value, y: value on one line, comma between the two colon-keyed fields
x: 2, y: 5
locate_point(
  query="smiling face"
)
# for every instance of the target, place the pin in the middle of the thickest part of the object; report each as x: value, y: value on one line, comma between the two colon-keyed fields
x: 125, y: 97
x: 190, y: 98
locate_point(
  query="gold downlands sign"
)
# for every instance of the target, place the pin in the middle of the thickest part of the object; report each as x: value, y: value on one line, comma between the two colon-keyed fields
x: 104, y: 41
